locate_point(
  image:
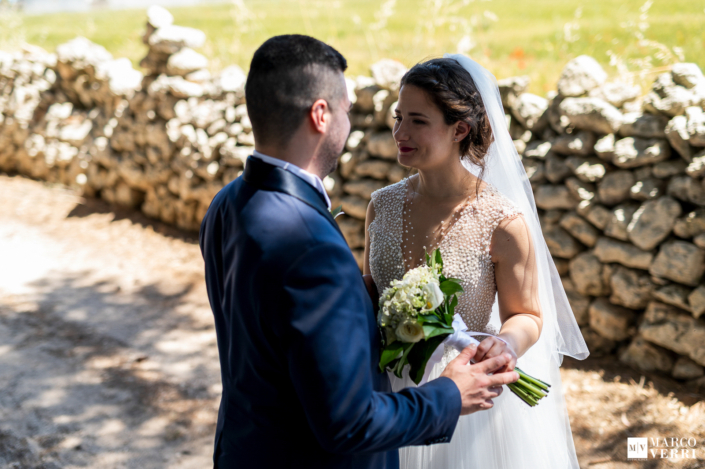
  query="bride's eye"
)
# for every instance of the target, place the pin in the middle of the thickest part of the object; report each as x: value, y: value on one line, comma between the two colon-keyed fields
x: 397, y: 118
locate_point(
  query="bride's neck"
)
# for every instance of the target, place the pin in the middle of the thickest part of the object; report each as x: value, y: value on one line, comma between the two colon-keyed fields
x: 445, y: 182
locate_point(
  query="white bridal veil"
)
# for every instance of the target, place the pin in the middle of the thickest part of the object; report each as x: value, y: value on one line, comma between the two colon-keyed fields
x: 504, y: 170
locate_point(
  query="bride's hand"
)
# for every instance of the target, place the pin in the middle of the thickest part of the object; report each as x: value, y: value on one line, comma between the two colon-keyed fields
x: 494, y: 347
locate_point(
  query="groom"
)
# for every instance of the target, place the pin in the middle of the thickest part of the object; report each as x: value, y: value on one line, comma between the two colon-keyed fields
x: 297, y: 335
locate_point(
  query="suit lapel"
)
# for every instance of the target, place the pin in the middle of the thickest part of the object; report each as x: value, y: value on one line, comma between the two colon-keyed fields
x: 268, y: 177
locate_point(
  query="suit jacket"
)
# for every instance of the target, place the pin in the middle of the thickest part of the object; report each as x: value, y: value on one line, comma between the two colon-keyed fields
x: 298, y: 340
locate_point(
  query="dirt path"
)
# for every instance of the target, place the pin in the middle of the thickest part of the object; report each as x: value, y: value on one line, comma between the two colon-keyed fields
x: 108, y: 356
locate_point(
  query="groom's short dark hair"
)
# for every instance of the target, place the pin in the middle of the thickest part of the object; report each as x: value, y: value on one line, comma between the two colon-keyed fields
x: 287, y: 75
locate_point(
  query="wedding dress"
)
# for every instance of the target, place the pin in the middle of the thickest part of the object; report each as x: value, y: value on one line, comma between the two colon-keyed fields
x: 511, y: 435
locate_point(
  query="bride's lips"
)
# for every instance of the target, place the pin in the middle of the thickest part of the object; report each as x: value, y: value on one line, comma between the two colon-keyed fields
x: 406, y: 149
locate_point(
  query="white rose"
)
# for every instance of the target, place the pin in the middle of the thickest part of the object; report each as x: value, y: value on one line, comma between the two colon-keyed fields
x: 409, y: 331
x: 434, y: 296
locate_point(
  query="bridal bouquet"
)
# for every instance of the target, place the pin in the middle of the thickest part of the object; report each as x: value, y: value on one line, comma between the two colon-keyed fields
x: 416, y: 315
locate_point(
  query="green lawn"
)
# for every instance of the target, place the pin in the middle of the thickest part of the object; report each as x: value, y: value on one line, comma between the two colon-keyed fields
x: 511, y: 37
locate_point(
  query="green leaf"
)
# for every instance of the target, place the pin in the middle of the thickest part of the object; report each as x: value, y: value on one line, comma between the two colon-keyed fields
x: 452, y: 305
x: 336, y: 211
x: 439, y: 259
x: 433, y: 330
x: 390, y: 353
x: 428, y: 259
x: 428, y: 318
x: 418, y: 357
x: 449, y: 287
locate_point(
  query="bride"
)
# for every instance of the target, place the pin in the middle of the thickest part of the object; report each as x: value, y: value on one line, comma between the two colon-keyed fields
x: 472, y: 200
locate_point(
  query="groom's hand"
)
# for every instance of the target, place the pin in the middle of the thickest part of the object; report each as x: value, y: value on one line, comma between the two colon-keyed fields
x: 476, y: 383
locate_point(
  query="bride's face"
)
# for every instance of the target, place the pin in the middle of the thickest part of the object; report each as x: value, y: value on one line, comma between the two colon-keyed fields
x: 423, y: 138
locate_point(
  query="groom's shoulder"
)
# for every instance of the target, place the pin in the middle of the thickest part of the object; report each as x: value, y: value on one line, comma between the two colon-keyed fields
x: 270, y: 215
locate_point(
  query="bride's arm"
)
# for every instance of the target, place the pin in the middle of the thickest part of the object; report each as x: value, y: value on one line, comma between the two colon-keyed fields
x: 367, y: 277
x: 368, y: 219
x: 516, y: 275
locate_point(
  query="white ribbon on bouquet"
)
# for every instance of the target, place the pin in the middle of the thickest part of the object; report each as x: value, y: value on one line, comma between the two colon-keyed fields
x: 459, y: 339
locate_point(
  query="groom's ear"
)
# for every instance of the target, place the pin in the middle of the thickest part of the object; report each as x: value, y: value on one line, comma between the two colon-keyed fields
x: 320, y: 116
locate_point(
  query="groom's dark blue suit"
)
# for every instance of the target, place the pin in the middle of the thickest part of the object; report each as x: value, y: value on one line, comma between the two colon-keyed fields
x: 298, y: 340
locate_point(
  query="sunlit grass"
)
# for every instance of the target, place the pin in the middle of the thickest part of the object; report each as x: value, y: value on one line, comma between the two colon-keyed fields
x: 510, y: 37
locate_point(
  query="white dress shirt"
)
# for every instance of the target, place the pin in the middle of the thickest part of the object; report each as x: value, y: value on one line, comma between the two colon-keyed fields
x: 310, y: 178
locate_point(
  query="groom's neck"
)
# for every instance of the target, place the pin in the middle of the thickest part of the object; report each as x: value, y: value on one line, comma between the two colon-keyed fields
x: 297, y: 151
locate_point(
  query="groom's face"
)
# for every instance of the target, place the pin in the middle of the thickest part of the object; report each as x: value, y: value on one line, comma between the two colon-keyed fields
x: 337, y: 134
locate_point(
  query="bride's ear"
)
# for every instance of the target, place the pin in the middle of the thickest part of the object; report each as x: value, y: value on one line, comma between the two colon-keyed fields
x: 462, y: 129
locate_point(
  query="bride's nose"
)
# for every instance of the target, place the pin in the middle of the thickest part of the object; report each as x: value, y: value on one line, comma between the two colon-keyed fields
x: 399, y: 132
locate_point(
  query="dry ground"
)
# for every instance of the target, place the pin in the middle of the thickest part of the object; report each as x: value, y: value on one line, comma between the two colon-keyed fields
x: 108, y: 356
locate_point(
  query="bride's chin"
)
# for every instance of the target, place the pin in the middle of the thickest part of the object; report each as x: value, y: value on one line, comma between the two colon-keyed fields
x: 405, y: 160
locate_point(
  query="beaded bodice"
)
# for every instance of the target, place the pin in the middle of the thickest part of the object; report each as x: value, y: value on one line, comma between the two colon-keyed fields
x: 465, y: 248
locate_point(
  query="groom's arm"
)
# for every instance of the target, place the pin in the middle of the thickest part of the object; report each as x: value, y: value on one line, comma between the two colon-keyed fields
x: 326, y: 333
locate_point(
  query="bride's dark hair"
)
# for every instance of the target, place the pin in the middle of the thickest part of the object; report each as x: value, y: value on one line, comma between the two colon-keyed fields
x: 453, y: 90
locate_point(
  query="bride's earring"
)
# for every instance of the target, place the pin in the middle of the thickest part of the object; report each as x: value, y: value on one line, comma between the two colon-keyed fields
x: 455, y: 139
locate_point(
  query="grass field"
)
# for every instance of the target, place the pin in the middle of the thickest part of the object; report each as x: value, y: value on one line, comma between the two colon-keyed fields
x: 510, y: 37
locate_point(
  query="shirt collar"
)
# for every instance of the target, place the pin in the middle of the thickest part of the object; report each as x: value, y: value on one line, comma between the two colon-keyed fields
x: 310, y: 178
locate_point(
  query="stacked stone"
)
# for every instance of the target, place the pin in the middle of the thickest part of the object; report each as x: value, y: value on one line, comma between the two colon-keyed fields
x: 165, y: 143
x: 618, y: 182
x: 369, y: 162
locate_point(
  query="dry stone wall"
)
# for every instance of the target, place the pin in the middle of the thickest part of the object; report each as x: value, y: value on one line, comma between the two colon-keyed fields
x: 617, y: 176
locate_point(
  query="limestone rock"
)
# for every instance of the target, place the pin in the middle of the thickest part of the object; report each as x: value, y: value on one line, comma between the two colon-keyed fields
x: 185, y: 61
x: 696, y: 126
x: 534, y: 170
x: 667, y: 97
x: 561, y: 244
x: 696, y: 301
x: 555, y: 168
x: 554, y: 197
x: 355, y: 140
x: 158, y: 16
x: 353, y: 231
x: 586, y: 274
x: 382, y: 144
x: 673, y: 294
x: 636, y: 124
x: 677, y: 134
x: 615, y: 187
x: 579, y: 229
x: 647, y: 357
x: 82, y: 53
x: 578, y: 303
x: 537, y: 149
x: 631, y: 152
x: 608, y: 250
x: 616, y: 93
x: 696, y: 167
x: 685, y: 368
x: 397, y: 173
x: 363, y: 187
x: 377, y: 169
x: 679, y: 261
x: 528, y: 109
x: 653, y: 222
x: 604, y: 147
x: 177, y: 86
x: 511, y: 88
x: 586, y: 169
x: 387, y: 73
x: 579, y: 143
x: 232, y: 79
x: 630, y: 288
x: 647, y: 189
x: 687, y: 74
x: 598, y: 345
x: 598, y: 215
x: 591, y: 114
x: 355, y: 206
x: 365, y: 89
x: 691, y: 225
x: 667, y: 169
x: 611, y: 321
x: 686, y: 189
x: 581, y: 75
x: 675, y: 330
x: 580, y: 190
x: 618, y: 224
x: 171, y: 38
